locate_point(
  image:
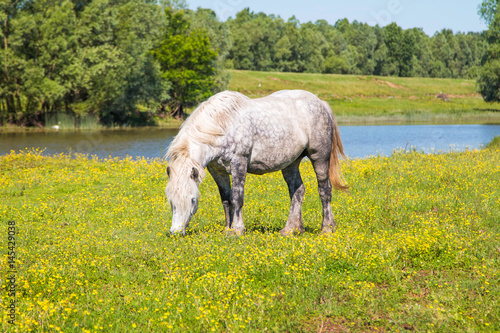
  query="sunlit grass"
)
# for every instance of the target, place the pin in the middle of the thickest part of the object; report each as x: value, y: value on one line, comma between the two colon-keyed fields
x: 369, y: 99
x: 416, y: 248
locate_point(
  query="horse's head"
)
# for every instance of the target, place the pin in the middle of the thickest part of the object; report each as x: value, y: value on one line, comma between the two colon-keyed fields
x: 182, y: 193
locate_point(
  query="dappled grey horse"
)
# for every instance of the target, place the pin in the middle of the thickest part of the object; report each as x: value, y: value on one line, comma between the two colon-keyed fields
x: 231, y: 134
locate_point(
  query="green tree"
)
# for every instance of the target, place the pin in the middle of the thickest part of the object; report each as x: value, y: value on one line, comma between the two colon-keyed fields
x: 258, y: 42
x: 311, y: 43
x: 489, y: 75
x: 335, y: 64
x: 362, y: 42
x: 283, y: 54
x: 115, y: 39
x: 287, y: 48
x: 488, y: 10
x: 11, y: 61
x: 338, y: 59
x: 240, y: 54
x: 187, y: 60
x: 77, y: 57
x: 400, y: 48
x: 422, y: 56
x: 218, y: 33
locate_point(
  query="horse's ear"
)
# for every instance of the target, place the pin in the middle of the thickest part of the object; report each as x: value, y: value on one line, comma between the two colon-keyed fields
x: 168, y: 171
x: 195, y: 174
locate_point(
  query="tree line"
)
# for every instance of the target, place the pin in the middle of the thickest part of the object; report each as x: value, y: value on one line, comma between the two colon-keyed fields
x: 129, y: 60
x: 269, y: 43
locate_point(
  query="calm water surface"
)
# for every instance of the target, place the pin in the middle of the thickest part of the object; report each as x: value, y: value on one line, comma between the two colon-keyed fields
x: 359, y: 141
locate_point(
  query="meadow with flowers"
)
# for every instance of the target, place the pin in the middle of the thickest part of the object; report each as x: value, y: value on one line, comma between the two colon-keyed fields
x: 417, y: 248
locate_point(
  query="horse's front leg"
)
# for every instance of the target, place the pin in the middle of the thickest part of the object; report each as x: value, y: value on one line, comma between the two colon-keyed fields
x: 239, y: 173
x: 221, y: 178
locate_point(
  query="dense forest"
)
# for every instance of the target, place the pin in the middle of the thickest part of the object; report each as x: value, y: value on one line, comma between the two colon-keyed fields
x: 268, y: 43
x: 127, y: 61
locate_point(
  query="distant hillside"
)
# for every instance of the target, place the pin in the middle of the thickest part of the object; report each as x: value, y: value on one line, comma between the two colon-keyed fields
x: 359, y: 99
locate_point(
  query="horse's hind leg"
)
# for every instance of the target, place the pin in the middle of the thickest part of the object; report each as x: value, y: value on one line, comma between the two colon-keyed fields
x: 296, y: 190
x: 223, y: 182
x: 325, y: 193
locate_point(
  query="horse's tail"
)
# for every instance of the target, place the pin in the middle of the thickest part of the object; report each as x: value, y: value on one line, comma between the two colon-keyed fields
x: 334, y: 171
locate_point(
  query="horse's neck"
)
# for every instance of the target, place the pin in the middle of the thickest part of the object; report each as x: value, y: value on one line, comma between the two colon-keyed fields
x: 202, y: 154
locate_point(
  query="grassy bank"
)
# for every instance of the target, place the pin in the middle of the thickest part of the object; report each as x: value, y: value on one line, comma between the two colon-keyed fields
x: 68, y: 125
x: 368, y: 99
x: 417, y: 248
x: 355, y: 99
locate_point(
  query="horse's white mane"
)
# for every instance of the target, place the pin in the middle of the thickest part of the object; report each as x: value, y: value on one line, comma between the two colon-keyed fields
x: 209, y: 121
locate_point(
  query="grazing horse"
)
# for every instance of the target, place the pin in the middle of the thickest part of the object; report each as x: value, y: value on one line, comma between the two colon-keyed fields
x: 231, y: 134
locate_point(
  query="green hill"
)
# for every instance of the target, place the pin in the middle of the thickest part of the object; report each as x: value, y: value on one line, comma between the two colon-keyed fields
x: 372, y: 99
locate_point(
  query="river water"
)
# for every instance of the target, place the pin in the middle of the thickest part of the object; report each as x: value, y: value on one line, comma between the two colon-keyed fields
x: 359, y: 141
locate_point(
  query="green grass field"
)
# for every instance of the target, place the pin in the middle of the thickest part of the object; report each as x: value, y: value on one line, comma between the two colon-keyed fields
x: 370, y: 99
x: 416, y: 249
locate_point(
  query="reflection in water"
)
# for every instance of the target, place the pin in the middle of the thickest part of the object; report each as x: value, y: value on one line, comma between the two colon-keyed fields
x: 359, y: 141
x: 147, y: 142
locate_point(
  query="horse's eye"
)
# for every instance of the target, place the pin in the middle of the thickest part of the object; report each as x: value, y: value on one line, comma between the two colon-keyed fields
x: 193, y: 201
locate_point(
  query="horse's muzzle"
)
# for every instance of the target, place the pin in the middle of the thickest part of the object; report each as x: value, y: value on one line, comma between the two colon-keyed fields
x: 178, y: 232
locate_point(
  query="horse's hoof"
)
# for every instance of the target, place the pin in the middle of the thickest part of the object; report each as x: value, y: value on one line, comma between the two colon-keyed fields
x: 290, y: 232
x: 235, y: 232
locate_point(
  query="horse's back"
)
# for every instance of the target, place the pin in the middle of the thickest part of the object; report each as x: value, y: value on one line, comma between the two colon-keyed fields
x: 284, y: 114
x: 309, y: 115
x: 281, y: 127
x: 302, y: 104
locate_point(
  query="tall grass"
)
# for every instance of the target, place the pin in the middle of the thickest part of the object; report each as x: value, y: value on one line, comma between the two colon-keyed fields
x: 416, y: 248
x: 495, y: 143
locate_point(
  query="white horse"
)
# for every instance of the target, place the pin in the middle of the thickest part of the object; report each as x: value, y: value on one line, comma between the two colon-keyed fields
x: 231, y: 134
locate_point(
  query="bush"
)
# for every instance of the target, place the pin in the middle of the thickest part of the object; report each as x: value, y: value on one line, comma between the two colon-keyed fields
x: 489, y: 81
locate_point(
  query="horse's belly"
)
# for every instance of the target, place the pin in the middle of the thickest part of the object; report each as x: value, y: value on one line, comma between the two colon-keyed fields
x: 275, y: 136
x: 269, y: 159
x: 260, y: 168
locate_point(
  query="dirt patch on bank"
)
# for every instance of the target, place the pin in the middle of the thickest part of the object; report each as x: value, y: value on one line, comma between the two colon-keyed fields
x: 389, y: 84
